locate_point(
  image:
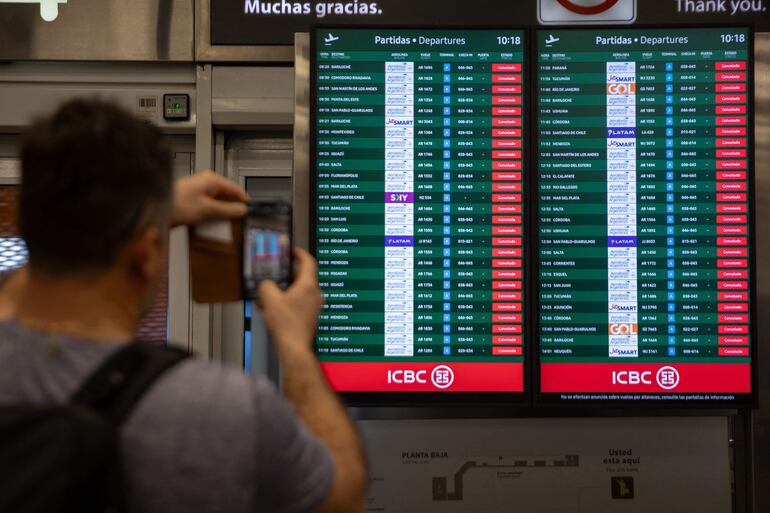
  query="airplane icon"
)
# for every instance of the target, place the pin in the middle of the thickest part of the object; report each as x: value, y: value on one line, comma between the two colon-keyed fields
x: 550, y: 40
x: 330, y: 38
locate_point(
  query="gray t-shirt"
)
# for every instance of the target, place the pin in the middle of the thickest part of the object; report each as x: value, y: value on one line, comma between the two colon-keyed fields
x: 205, y: 438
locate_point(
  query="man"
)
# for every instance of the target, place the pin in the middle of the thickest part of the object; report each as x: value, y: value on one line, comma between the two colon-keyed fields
x: 95, y: 209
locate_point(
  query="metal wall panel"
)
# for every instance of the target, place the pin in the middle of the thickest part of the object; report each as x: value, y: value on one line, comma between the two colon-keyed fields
x: 136, y: 30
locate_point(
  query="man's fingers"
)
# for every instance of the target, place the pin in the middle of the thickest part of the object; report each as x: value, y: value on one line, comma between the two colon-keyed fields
x: 268, y: 292
x: 220, y: 187
x: 307, y: 268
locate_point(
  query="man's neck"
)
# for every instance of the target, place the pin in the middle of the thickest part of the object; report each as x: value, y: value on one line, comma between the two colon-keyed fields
x: 89, y: 308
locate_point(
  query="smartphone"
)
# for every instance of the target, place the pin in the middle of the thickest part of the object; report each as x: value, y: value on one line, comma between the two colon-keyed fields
x: 266, y: 245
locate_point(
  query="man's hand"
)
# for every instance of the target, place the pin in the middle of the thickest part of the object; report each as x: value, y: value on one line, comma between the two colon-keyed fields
x: 207, y: 197
x: 292, y: 316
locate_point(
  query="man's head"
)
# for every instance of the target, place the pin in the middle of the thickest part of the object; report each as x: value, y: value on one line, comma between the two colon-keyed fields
x: 96, y: 195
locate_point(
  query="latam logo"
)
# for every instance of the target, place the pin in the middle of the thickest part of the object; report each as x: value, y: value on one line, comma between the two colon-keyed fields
x: 441, y: 376
x: 666, y: 378
x: 614, y: 89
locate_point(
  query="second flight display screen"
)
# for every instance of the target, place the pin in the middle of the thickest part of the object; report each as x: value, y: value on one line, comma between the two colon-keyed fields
x: 419, y: 151
x: 643, y: 215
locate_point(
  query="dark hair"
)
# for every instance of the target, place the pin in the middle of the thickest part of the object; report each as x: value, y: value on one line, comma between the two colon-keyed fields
x: 92, y: 175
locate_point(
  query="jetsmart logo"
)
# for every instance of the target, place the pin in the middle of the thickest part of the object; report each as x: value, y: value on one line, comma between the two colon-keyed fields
x: 49, y: 9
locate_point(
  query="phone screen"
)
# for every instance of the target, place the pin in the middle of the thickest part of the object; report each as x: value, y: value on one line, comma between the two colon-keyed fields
x: 267, y: 246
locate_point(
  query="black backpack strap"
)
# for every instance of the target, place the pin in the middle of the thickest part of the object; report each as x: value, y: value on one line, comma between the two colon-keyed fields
x: 118, y: 384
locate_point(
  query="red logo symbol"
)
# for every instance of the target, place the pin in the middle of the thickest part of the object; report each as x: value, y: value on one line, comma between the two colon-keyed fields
x: 667, y: 378
x: 442, y: 376
x: 592, y: 8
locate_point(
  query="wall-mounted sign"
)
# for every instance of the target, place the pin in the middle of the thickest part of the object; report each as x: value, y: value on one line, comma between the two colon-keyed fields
x: 274, y: 22
x: 49, y: 9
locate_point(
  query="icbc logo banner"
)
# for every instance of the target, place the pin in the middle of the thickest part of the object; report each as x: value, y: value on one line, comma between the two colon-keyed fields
x: 441, y: 376
x: 666, y: 377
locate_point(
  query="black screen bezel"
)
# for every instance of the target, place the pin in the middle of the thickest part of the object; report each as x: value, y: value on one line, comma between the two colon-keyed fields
x: 552, y: 399
x: 416, y: 399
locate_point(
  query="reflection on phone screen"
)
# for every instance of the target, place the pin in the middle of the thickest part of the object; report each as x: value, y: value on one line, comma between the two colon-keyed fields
x: 267, y: 249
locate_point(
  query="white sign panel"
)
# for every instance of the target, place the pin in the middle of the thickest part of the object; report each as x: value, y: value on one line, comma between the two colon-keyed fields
x: 596, y: 465
x: 49, y: 9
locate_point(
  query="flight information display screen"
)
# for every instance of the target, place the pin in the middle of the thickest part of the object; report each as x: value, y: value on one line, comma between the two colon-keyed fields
x: 418, y: 149
x: 644, y: 214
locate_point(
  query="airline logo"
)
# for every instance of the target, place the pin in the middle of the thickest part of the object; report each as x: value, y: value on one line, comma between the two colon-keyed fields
x: 622, y: 329
x: 578, y: 12
x: 615, y: 88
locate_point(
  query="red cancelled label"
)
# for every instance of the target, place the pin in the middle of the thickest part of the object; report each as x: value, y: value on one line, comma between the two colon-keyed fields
x: 731, y: 186
x: 729, y: 65
x: 732, y: 252
x: 731, y: 175
x: 505, y: 274
x: 506, y: 241
x: 732, y: 329
x: 732, y: 274
x: 506, y: 351
x: 506, y: 100
x: 516, y: 111
x: 730, y: 109
x: 506, y: 317
x: 506, y: 252
x: 731, y: 164
x: 731, y: 120
x: 726, y: 154
x: 734, y: 196
x: 645, y: 377
x: 506, y: 209
x: 732, y: 130
x: 506, y: 89
x: 732, y: 307
x: 506, y: 263
x: 506, y: 328
x: 732, y: 262
x: 506, y: 176
x: 513, y: 340
x: 733, y: 351
x: 506, y: 154
x: 506, y: 132
x: 425, y: 376
x: 727, y: 318
x: 506, y: 230
x: 506, y: 143
x: 506, y: 121
x: 506, y: 285
x: 731, y: 98
x: 506, y: 219
x: 731, y: 208
x: 731, y: 77
x: 731, y: 230
x: 731, y: 142
x: 731, y: 241
x: 739, y: 341
x: 730, y: 88
x: 506, y: 186
x: 733, y: 296
x: 733, y: 285
x: 506, y: 164
x: 506, y: 198
x: 508, y: 78
x: 516, y: 67
x: 506, y: 296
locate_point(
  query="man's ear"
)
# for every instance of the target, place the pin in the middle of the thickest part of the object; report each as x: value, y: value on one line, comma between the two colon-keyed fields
x: 144, y: 253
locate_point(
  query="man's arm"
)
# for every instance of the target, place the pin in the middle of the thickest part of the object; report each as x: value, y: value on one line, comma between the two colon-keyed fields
x: 292, y: 318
